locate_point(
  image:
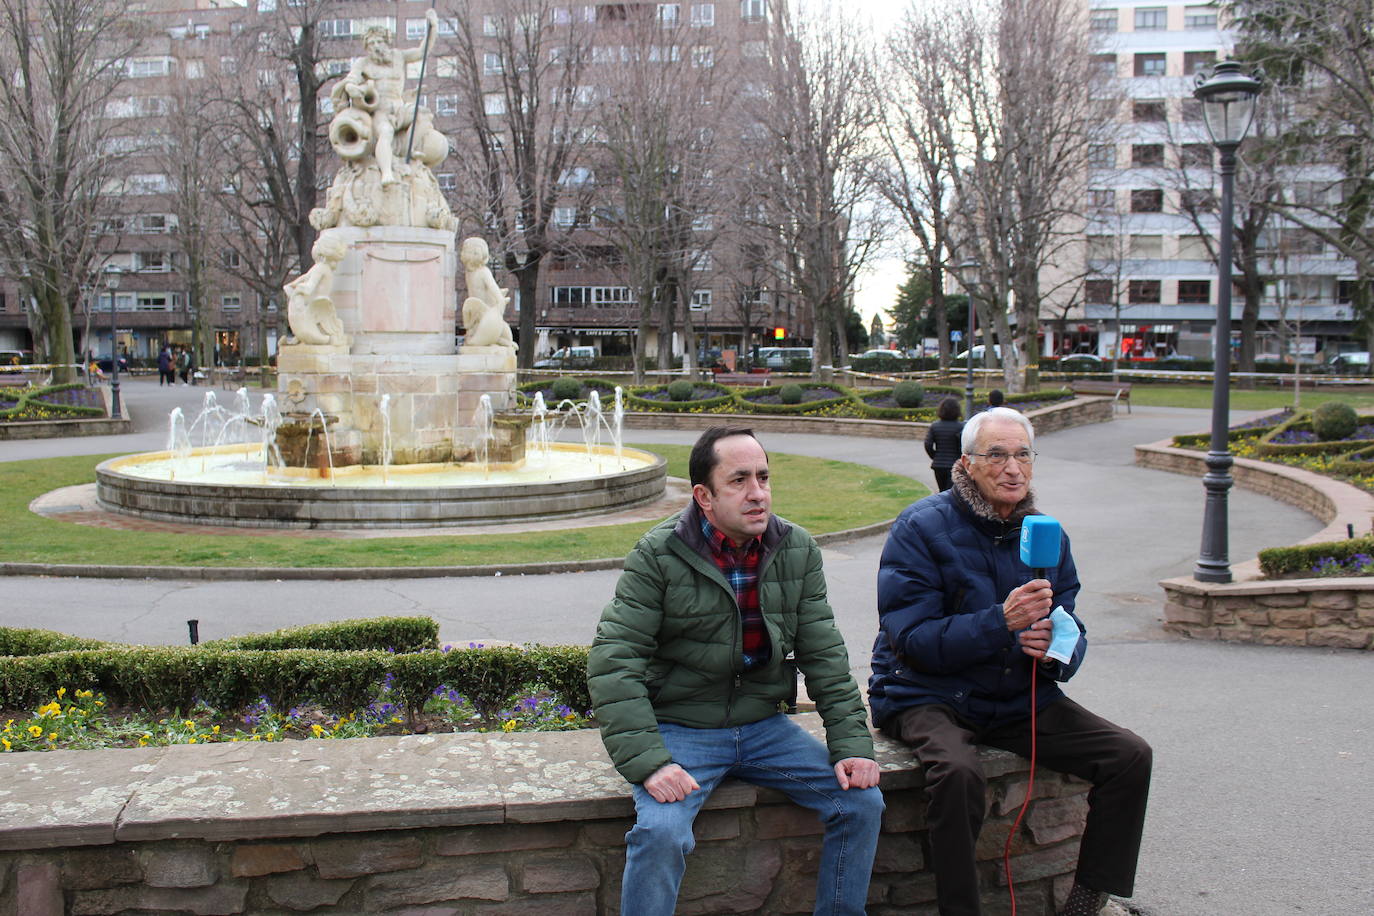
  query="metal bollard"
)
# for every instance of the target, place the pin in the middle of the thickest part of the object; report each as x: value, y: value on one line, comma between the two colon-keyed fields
x: 194, y: 627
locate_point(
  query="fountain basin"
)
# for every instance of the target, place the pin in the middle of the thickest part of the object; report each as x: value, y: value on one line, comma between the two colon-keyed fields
x: 226, y: 485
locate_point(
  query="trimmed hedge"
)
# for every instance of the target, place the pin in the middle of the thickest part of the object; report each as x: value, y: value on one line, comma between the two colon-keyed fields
x: 747, y: 402
x: 635, y: 398
x: 1282, y: 562
x: 340, y: 666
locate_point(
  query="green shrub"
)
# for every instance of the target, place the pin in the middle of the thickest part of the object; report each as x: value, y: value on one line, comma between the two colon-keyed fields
x: 1280, y: 562
x: 790, y: 394
x: 908, y: 394
x: 1334, y: 420
x: 396, y: 634
x: 566, y: 389
x: 681, y: 390
x: 15, y: 641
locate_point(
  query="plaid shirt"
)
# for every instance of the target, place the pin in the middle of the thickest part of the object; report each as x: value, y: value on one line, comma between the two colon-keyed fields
x: 741, y: 568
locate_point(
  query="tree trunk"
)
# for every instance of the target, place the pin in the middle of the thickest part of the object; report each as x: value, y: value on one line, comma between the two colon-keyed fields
x: 527, y: 281
x: 57, y: 345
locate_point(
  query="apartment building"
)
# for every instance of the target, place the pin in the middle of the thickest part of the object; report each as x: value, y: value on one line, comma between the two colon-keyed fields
x: 1147, y: 262
x: 584, y: 296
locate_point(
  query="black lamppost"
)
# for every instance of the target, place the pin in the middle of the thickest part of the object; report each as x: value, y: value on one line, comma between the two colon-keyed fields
x: 1228, y: 106
x: 112, y: 283
x: 968, y: 276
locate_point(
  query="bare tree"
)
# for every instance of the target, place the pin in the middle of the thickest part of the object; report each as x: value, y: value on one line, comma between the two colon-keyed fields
x: 917, y: 108
x: 525, y: 121
x: 818, y: 123
x: 63, y: 63
x: 1319, y: 62
x: 664, y: 153
x: 1025, y: 116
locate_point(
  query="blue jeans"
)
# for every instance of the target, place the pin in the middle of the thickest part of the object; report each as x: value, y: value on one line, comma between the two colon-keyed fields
x: 775, y: 753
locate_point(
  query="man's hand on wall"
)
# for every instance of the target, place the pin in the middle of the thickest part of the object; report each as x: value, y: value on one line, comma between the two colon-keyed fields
x: 670, y: 783
x: 857, y: 773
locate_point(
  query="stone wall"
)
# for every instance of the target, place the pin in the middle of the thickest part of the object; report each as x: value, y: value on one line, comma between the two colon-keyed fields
x: 1326, y: 613
x: 456, y: 824
x: 1063, y: 415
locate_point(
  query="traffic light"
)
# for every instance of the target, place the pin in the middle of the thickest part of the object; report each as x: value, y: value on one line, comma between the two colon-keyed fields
x: 779, y: 333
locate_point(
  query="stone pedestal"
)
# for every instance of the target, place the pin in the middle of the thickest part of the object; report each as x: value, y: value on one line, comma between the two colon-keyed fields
x: 394, y: 294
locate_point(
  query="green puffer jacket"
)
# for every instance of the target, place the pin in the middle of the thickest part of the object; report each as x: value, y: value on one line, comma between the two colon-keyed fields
x: 669, y: 646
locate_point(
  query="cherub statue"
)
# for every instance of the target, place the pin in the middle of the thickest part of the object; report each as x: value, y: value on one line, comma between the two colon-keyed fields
x: 485, y: 307
x: 309, y: 308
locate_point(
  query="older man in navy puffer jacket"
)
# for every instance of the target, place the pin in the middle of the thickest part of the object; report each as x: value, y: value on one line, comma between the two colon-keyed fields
x: 963, y: 628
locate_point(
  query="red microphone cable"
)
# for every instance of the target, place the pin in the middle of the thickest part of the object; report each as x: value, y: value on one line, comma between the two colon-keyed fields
x: 1030, y: 789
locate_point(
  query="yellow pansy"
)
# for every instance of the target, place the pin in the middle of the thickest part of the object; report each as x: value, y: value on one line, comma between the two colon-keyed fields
x: 36, y: 730
x: 61, y: 692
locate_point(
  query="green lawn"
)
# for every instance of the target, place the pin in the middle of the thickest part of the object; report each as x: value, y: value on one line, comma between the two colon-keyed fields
x: 853, y: 495
x: 1247, y: 398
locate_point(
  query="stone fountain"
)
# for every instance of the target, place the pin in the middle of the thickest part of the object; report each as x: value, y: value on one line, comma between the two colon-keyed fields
x: 371, y: 375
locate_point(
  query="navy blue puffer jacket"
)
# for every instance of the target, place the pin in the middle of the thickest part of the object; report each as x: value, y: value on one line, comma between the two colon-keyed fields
x: 945, y: 570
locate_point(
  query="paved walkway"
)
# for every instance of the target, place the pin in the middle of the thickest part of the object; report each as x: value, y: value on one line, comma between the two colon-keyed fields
x: 1261, y: 803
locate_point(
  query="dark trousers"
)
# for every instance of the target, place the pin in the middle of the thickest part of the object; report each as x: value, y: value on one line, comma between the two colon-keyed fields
x: 1071, y: 740
x: 943, y: 477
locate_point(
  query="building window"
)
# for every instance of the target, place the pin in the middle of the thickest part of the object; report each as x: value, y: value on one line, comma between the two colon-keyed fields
x: 703, y: 56
x: 1345, y: 290
x: 1147, y: 155
x: 576, y: 177
x: 701, y: 259
x: 1152, y: 64
x: 1192, y: 110
x: 1102, y: 199
x: 1152, y: 18
x: 230, y: 302
x: 416, y: 28
x: 1143, y: 292
x: 1301, y: 241
x: 447, y: 181
x: 1101, y: 247
x: 1097, y: 292
x: 141, y: 67
x: 1197, y: 200
x: 1105, y: 65
x: 753, y: 10
x: 494, y: 104
x: 1194, y: 292
x: 1196, y: 154
x: 446, y: 104
x: 1146, y: 246
x: 669, y: 14
x: 231, y: 259
x: 1197, y: 61
x: 564, y: 217
x: 1103, y: 20
x: 153, y: 302
x: 154, y: 261
x: 1147, y: 200
x: 1148, y: 110
x: 491, y: 26
x: 492, y: 64
x: 701, y: 300
x: 1102, y: 156
x: 1199, y: 18
x: 1192, y: 248
x: 703, y: 15
x: 342, y: 28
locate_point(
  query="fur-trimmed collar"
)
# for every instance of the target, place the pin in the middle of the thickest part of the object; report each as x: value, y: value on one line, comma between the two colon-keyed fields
x: 978, y: 504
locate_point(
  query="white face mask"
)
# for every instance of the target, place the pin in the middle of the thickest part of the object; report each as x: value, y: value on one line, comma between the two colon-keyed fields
x: 1065, y: 638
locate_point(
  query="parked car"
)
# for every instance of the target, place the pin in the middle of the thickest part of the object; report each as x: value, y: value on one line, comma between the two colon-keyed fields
x: 978, y: 352
x: 1354, y: 363
x: 783, y: 357
x: 878, y: 354
x: 1081, y: 361
x: 568, y: 358
x: 16, y: 357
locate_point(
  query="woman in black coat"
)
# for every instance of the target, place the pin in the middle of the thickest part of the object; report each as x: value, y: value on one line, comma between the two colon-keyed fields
x: 942, y: 441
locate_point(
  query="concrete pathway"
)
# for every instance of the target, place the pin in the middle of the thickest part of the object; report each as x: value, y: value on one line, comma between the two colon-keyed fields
x: 1261, y: 802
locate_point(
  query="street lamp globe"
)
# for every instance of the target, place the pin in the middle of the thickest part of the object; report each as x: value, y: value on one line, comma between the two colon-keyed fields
x: 1228, y: 103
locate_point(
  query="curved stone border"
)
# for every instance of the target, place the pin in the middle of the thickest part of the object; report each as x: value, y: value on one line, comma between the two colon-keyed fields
x: 1328, y: 613
x: 61, y: 429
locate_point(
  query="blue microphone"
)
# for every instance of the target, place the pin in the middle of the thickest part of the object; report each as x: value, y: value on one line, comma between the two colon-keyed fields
x: 1040, y: 537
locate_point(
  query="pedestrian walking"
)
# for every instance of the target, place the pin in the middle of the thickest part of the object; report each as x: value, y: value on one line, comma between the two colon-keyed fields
x: 942, y: 441
x: 184, y: 365
x: 164, y: 367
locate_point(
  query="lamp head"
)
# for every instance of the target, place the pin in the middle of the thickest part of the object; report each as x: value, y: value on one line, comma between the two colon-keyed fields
x: 968, y: 272
x: 1228, y: 102
x: 112, y: 277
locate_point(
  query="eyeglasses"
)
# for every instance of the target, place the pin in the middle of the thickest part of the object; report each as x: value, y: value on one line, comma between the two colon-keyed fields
x: 999, y: 459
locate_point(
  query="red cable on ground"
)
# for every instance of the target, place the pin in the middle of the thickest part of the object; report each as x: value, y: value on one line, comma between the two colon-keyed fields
x: 1030, y: 788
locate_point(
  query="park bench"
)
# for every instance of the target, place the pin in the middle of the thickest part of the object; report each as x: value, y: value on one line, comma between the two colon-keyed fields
x: 231, y: 377
x: 745, y: 379
x: 1119, y: 391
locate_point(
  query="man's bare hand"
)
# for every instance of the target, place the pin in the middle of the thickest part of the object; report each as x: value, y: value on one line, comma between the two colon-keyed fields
x: 857, y: 773
x: 1027, y: 603
x: 1036, y: 640
x: 670, y: 783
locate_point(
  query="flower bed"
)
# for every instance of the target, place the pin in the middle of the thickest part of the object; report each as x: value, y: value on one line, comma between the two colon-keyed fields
x: 71, y: 401
x: 341, y: 680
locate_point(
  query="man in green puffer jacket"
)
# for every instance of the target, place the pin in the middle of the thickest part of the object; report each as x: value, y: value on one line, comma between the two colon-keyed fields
x: 687, y: 675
